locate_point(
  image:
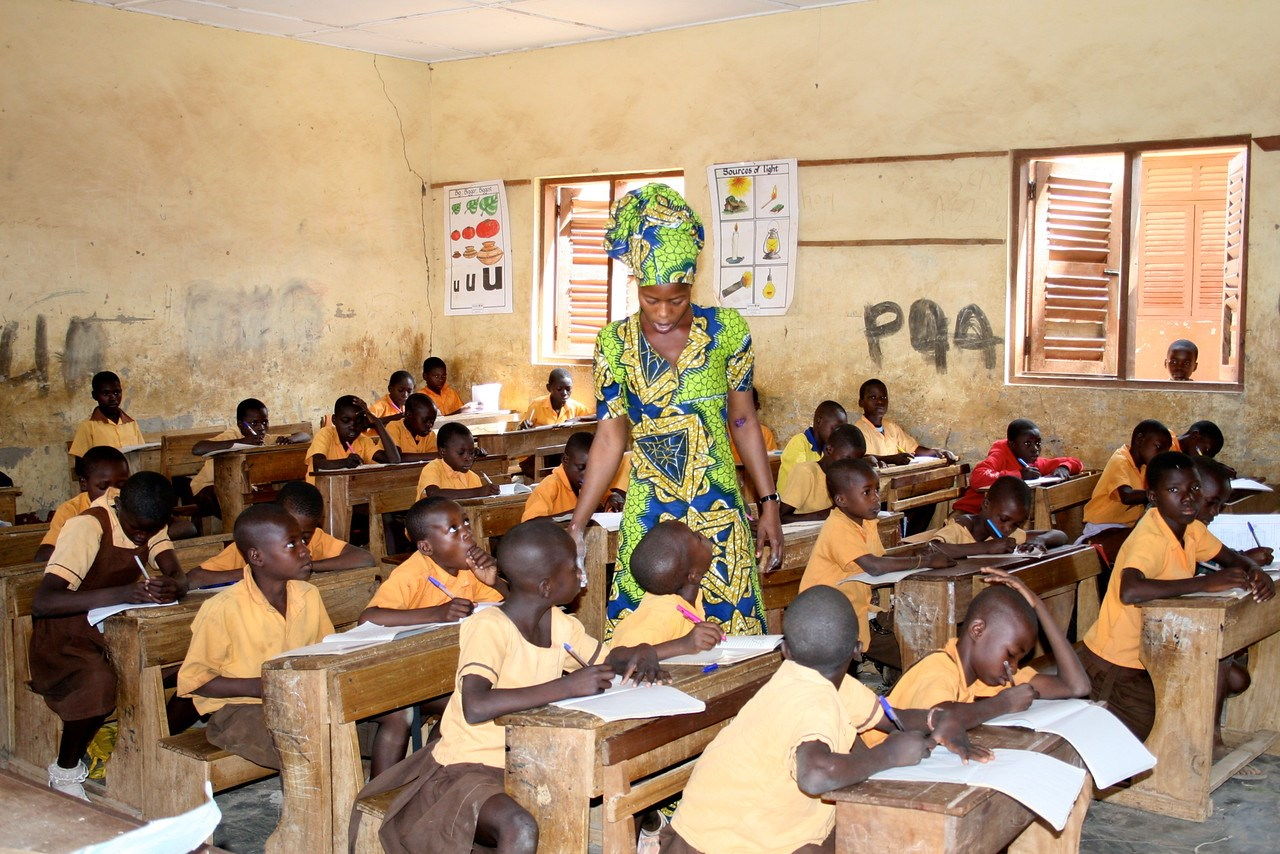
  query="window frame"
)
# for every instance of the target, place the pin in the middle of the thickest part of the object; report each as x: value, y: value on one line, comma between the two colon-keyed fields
x: 1019, y: 293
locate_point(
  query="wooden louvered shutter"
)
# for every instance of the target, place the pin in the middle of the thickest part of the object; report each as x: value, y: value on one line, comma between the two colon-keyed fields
x: 1233, y: 269
x: 1074, y: 318
x: 582, y: 272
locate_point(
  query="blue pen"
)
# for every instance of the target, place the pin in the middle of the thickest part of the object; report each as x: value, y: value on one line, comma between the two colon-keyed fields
x: 710, y: 667
x: 438, y: 583
x: 576, y: 657
x: 889, y: 713
x: 989, y: 522
x: 1254, y: 533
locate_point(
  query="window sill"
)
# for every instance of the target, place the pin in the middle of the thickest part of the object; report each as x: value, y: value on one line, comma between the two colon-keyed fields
x: 1063, y: 381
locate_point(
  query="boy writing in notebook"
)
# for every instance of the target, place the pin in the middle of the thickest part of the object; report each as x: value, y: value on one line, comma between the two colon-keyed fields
x: 435, y: 379
x: 557, y: 493
x: 1017, y: 454
x: 1215, y: 489
x: 115, y: 552
x: 342, y: 445
x: 1120, y: 497
x: 668, y: 563
x: 805, y: 496
x: 102, y: 469
x: 253, y: 426
x: 390, y: 407
x: 556, y: 406
x: 108, y: 424
x: 451, y: 476
x: 272, y: 610
x: 1158, y: 560
x: 995, y: 529
x: 511, y: 658
x: 807, y: 446
x: 887, y: 443
x: 413, y: 433
x: 1202, y: 439
x: 304, y: 503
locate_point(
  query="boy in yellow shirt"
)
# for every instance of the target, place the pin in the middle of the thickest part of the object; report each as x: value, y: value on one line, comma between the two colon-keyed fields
x: 887, y: 443
x: 102, y: 469
x: 304, y: 503
x: 390, y: 407
x: 807, y: 446
x: 108, y: 424
x: 510, y: 658
x: 435, y: 379
x: 451, y: 476
x: 253, y: 425
x: 995, y: 529
x: 1158, y: 561
x: 1202, y: 439
x: 1120, y: 497
x: 342, y: 445
x: 271, y: 610
x: 413, y: 433
x: 805, y: 496
x: 557, y: 493
x: 1215, y: 489
x: 556, y: 406
x: 668, y: 564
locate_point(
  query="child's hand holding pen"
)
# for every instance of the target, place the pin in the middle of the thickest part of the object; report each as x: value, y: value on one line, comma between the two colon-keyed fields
x: 251, y: 436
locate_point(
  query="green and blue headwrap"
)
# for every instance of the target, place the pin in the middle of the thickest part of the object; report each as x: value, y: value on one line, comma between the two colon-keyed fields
x: 654, y: 232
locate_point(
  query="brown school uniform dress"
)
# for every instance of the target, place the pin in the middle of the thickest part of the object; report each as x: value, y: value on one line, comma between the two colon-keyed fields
x: 69, y: 665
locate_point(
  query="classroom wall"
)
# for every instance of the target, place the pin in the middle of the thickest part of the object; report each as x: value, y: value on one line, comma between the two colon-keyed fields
x: 210, y: 213
x: 877, y: 79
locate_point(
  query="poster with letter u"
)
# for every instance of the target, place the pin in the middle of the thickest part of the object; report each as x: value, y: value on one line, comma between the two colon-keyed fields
x: 754, y: 220
x: 477, y: 255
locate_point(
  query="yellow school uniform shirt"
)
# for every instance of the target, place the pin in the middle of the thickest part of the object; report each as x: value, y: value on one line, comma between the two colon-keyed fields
x: 329, y: 445
x: 1105, y: 507
x: 66, y: 511
x: 840, y: 543
x: 322, y: 547
x: 490, y: 645
x: 97, y: 430
x: 743, y: 795
x: 657, y: 620
x: 887, y: 442
x: 770, y: 444
x: 541, y: 413
x: 238, y: 629
x: 1152, y: 549
x: 447, y: 400
x: 957, y: 535
x: 384, y: 407
x: 78, y: 543
x: 408, y: 587
x: 1174, y: 443
x: 408, y: 443
x: 798, y: 450
x: 551, y: 497
x: 441, y: 474
x: 806, y: 488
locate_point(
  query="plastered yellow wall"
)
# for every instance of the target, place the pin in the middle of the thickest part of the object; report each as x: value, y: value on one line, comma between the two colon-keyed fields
x: 212, y: 214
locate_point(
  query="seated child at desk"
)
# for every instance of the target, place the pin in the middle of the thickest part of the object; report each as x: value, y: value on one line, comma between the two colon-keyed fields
x: 805, y: 496
x: 556, y: 406
x: 557, y: 493
x: 1215, y: 489
x: 1120, y: 497
x: 440, y: 583
x: 668, y: 563
x: 342, y: 445
x: 272, y: 610
x: 1181, y: 359
x: 849, y: 542
x: 253, y: 425
x: 102, y: 469
x: 413, y: 433
x: 108, y: 424
x: 887, y: 443
x: 98, y: 561
x: 304, y: 503
x: 758, y: 785
x: 390, y: 407
x: 807, y: 446
x: 451, y: 476
x: 1157, y: 561
x: 770, y: 441
x: 435, y: 378
x: 1017, y: 454
x: 995, y: 529
x: 1202, y: 439
x: 511, y: 658
x: 976, y: 677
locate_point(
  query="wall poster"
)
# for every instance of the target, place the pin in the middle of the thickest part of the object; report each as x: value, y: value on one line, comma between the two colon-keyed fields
x: 477, y: 254
x: 754, y: 221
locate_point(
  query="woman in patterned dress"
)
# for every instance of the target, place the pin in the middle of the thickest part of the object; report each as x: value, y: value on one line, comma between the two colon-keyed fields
x: 678, y: 377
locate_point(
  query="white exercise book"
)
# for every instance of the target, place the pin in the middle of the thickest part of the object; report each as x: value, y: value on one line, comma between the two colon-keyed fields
x: 366, y: 635
x: 1047, y: 480
x: 98, y: 615
x: 608, y: 521
x: 883, y: 579
x: 625, y: 702
x: 145, y: 446
x: 238, y: 446
x: 1239, y: 531
x: 514, y: 489
x: 1248, y: 484
x: 731, y: 650
x: 1046, y: 786
x: 1108, y: 749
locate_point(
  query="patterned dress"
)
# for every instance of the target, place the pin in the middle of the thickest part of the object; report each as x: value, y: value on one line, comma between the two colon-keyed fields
x: 681, y: 463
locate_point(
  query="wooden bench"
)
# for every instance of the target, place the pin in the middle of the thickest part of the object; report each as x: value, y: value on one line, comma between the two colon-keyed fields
x: 345, y: 489
x: 241, y: 478
x: 922, y: 484
x: 522, y: 443
x: 494, y: 516
x: 9, y: 504
x: 1061, y: 505
x: 18, y: 543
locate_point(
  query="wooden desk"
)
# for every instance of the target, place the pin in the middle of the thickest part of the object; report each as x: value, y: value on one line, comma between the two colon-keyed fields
x: 1253, y: 502
x: 18, y: 543
x: 177, y: 457
x: 929, y: 605
x: 558, y: 760
x: 481, y: 423
x: 9, y: 504
x: 884, y: 815
x: 343, y: 489
x: 921, y: 484
x: 523, y: 443
x: 239, y: 475
x: 1182, y: 642
x: 1061, y: 505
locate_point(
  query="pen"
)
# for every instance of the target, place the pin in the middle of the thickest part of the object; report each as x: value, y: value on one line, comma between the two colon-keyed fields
x: 576, y: 657
x: 891, y: 715
x: 1008, y: 672
x: 440, y: 584
x: 995, y: 529
x: 142, y: 567
x: 710, y: 668
x: 486, y: 478
x: 693, y: 618
x: 1254, y: 534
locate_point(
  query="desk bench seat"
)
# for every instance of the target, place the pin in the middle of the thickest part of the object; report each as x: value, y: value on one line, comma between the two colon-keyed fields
x: 189, y: 756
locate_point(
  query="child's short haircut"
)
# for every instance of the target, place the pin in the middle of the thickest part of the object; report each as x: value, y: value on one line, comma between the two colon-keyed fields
x: 399, y: 376
x: 524, y: 552
x: 1211, y: 432
x: 843, y: 472
x: 1147, y: 427
x: 558, y: 374
x: 418, y: 401
x: 1163, y: 464
x: 258, y: 518
x: 1007, y: 487
x: 820, y: 628
x: 101, y: 378
x: 1207, y: 468
x: 847, y: 437
x: 431, y: 363
x: 660, y: 560
x: 1000, y: 604
x: 249, y: 404
x: 421, y: 513
x: 347, y: 401
x: 1185, y: 344
x: 148, y: 497
x: 301, y: 499
x: 451, y: 431
x: 1019, y: 426
x: 870, y: 384
x: 96, y: 456
x: 829, y: 409
x: 580, y: 441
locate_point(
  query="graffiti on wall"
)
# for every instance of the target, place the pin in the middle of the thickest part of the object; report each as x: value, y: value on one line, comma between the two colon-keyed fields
x: 930, y: 334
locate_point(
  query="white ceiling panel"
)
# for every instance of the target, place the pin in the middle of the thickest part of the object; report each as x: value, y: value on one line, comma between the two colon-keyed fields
x: 493, y: 30
x: 224, y: 16
x: 629, y: 17
x: 345, y: 13
x: 384, y: 45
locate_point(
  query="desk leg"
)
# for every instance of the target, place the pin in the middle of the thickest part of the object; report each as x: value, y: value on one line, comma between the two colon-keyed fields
x: 865, y: 827
x: 291, y: 701
x: 1087, y: 605
x: 551, y: 773
x: 1259, y: 707
x: 1040, y: 838
x: 924, y: 617
x: 338, y: 506
x: 140, y: 707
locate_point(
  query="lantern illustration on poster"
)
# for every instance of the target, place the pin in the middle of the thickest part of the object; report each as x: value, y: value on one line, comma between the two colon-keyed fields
x: 772, y: 244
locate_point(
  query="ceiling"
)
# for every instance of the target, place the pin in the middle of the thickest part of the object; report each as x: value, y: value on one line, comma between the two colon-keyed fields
x: 442, y: 30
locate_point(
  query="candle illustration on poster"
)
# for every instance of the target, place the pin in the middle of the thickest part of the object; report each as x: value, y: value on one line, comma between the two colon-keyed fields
x: 754, y: 208
x: 477, y: 254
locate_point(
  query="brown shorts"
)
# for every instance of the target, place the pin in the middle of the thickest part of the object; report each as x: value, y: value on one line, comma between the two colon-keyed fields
x: 239, y: 728
x: 1127, y: 691
x: 669, y: 842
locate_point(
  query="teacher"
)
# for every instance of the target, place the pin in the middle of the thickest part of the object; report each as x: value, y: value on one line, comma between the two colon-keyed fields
x: 678, y: 377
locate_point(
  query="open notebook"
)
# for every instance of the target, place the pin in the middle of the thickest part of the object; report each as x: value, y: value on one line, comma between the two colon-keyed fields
x: 624, y: 702
x: 731, y: 650
x: 370, y: 634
